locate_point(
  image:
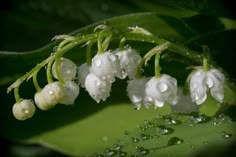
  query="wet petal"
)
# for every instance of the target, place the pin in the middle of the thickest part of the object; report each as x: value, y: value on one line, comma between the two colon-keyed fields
x: 83, y: 71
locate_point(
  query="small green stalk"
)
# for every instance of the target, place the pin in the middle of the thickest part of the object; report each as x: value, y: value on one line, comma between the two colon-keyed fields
x: 58, y: 72
x: 16, y: 94
x: 147, y: 57
x: 122, y: 43
x: 88, y: 52
x: 205, y: 65
x: 35, y: 81
x: 157, y: 65
x: 49, y: 69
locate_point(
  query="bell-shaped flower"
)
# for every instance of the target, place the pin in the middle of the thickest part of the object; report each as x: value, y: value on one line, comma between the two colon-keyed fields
x: 201, y: 81
x: 68, y: 69
x: 71, y: 92
x: 159, y: 90
x: 106, y: 66
x: 129, y: 61
x: 83, y: 71
x: 49, y: 96
x: 136, y: 92
x: 97, y: 88
x: 24, y: 109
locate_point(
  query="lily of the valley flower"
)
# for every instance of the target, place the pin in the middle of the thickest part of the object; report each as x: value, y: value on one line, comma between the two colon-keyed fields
x: 159, y: 90
x: 71, y: 92
x: 97, y: 88
x: 201, y: 81
x: 49, y: 96
x: 68, y: 69
x: 106, y: 66
x: 83, y: 71
x: 136, y: 92
x: 24, y: 109
x: 129, y: 60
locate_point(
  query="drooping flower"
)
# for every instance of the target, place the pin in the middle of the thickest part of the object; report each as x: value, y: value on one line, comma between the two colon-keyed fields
x: 201, y: 81
x: 49, y: 96
x: 129, y: 60
x: 136, y: 92
x: 97, y: 88
x: 106, y: 66
x: 68, y: 69
x: 83, y: 71
x: 71, y: 92
x: 159, y: 90
x: 24, y: 109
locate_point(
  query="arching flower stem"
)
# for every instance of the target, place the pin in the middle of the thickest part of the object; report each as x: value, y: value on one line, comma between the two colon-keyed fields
x: 35, y: 81
x: 157, y: 65
x: 16, y: 94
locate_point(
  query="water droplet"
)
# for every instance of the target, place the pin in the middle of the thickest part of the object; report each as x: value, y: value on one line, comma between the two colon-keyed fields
x: 136, y: 99
x: 98, y: 63
x: 97, y: 83
x: 97, y: 155
x: 25, y: 111
x: 51, y: 92
x: 110, y: 152
x: 226, y: 135
x: 197, y: 119
x: 175, y: 141
x: 126, y: 133
x: 163, y: 87
x: 135, y: 140
x: 163, y: 130
x: 122, y: 154
x: 194, y: 85
x: 145, y: 136
x: 112, y: 58
x: 141, y: 151
x: 172, y: 121
x: 117, y: 147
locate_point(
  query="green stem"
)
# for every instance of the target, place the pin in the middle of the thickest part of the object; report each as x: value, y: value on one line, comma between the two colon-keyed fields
x: 147, y: 57
x: 16, y: 94
x: 157, y: 65
x: 35, y: 81
x: 49, y: 69
x: 183, y: 51
x: 88, y: 52
x: 122, y: 43
x: 205, y: 65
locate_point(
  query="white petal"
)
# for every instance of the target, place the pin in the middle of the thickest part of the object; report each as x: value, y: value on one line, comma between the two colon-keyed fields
x: 67, y: 68
x: 129, y: 60
x: 83, y: 71
x: 23, y: 110
x: 71, y: 90
x: 98, y: 89
x: 217, y: 88
x: 135, y: 90
x: 197, y: 86
x: 49, y: 96
x: 106, y: 66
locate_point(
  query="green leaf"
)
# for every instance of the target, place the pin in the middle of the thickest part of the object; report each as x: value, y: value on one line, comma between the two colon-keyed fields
x: 89, y: 127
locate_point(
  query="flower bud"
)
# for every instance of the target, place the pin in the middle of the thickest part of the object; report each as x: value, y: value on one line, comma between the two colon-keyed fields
x: 24, y: 109
x: 68, y: 69
x: 49, y: 96
x: 71, y: 90
x: 83, y: 71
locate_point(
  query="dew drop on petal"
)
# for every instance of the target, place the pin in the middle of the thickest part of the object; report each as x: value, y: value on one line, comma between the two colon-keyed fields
x: 112, y: 58
x: 50, y: 92
x: 163, y: 87
x: 98, y: 63
x: 194, y: 85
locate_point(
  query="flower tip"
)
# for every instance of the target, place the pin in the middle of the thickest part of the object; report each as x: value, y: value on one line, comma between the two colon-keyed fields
x: 23, y: 110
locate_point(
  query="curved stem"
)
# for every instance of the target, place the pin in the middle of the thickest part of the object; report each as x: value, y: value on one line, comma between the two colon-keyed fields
x: 16, y: 94
x: 88, y: 52
x: 49, y: 69
x: 122, y: 43
x: 147, y: 57
x: 35, y: 81
x: 157, y: 65
x: 58, y: 71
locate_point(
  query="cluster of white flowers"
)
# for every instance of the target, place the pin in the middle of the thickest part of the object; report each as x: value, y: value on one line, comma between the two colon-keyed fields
x: 98, y: 77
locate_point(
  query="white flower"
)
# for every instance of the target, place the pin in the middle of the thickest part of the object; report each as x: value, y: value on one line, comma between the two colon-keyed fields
x: 136, y: 92
x: 67, y: 68
x: 83, y: 71
x: 129, y: 60
x: 49, y: 96
x: 159, y: 90
x: 201, y: 81
x: 24, y: 109
x: 71, y: 92
x: 106, y: 66
x: 97, y: 88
